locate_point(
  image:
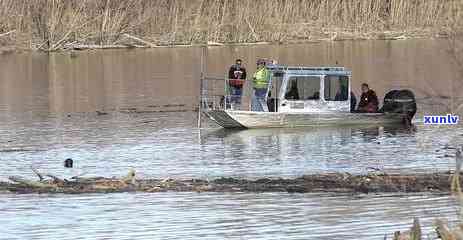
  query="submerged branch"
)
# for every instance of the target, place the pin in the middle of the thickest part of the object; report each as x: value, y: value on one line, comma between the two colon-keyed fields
x: 37, y: 173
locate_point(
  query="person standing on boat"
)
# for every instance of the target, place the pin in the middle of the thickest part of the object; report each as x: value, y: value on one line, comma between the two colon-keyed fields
x: 368, y: 100
x: 236, y: 78
x: 260, y: 81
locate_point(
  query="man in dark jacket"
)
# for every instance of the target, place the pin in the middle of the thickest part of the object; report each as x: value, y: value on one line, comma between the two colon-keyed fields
x: 368, y: 100
x: 237, y: 71
x: 236, y: 78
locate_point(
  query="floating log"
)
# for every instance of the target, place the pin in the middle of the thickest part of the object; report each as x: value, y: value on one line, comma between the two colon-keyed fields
x: 331, y: 182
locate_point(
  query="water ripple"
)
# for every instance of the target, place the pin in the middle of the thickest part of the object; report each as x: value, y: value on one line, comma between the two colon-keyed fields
x: 217, y: 216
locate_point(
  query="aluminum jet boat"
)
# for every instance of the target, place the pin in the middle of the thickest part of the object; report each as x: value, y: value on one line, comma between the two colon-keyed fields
x: 323, y: 97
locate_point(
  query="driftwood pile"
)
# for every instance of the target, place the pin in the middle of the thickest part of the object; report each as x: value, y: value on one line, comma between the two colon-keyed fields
x: 330, y: 182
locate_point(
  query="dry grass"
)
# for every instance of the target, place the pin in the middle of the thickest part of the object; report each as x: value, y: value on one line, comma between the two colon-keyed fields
x: 441, y: 226
x: 53, y: 24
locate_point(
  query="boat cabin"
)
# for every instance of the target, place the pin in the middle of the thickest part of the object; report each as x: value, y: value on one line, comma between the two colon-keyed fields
x: 308, y: 89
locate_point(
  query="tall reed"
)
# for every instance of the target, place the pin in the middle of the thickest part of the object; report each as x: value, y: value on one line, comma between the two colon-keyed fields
x: 52, y: 24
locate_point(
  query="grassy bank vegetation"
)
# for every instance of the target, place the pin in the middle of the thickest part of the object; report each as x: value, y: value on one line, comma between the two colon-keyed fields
x: 56, y: 24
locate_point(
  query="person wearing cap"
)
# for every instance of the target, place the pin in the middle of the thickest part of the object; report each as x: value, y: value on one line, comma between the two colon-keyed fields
x: 236, y: 78
x: 260, y: 81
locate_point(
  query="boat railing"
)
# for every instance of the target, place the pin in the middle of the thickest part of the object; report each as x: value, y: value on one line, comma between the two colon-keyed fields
x: 217, y: 93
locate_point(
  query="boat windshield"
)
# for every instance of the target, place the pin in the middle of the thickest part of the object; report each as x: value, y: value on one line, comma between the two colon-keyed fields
x: 336, y: 88
x: 303, y: 88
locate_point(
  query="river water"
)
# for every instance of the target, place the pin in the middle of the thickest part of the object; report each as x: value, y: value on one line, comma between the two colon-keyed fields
x: 145, y: 99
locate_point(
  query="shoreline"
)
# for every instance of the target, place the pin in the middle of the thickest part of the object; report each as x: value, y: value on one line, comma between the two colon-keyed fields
x: 143, y: 44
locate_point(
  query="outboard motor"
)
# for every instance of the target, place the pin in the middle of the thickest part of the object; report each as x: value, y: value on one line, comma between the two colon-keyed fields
x: 400, y: 101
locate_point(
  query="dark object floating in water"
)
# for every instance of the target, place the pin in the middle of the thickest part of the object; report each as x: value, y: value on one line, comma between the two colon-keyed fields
x: 449, y: 147
x: 68, y: 163
x: 174, y: 105
x: 152, y: 111
x: 99, y: 113
x: 129, y: 109
x: 149, y: 121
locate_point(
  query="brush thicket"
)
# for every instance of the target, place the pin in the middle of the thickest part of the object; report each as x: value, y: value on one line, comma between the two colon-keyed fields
x: 51, y: 24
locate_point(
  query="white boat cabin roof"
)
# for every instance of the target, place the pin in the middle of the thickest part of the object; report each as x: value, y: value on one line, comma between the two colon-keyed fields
x: 309, y: 89
x: 309, y: 70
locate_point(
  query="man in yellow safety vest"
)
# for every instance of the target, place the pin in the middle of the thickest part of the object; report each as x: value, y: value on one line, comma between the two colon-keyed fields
x: 260, y: 81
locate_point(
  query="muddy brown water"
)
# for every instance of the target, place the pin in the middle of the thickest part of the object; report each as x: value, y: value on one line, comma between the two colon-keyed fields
x: 168, y: 78
x: 48, y: 107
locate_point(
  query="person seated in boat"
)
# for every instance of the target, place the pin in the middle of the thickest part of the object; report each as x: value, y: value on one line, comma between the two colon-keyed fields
x: 293, y: 93
x: 368, y: 100
x: 315, y: 96
x: 236, y: 78
x: 260, y: 82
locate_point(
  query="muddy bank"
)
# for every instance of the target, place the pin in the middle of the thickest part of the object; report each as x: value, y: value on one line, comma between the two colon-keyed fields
x: 332, y: 182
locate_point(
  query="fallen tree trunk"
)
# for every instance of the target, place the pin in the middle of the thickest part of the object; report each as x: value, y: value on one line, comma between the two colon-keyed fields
x: 333, y: 182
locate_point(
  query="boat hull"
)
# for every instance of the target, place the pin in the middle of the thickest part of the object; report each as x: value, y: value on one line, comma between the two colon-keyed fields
x: 249, y: 119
